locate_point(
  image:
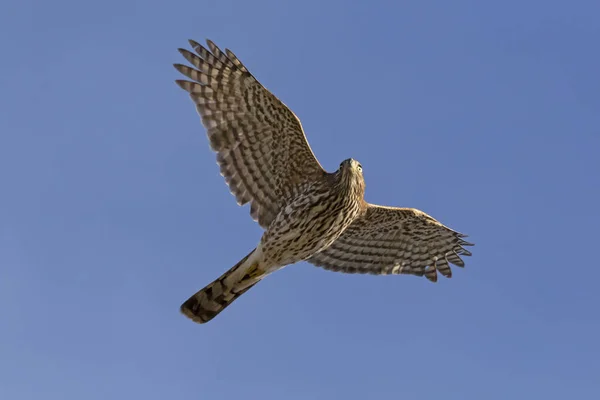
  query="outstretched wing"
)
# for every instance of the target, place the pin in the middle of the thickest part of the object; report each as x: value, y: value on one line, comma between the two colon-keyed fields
x: 261, y: 148
x: 388, y: 240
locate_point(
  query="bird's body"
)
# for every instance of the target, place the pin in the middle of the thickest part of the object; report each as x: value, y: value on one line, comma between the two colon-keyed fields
x: 315, y: 218
x: 308, y: 214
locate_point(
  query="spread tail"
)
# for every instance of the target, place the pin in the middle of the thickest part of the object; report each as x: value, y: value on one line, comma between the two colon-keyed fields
x: 216, y: 296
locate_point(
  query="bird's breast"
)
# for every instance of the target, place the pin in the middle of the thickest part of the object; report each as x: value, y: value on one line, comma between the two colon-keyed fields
x: 305, y: 227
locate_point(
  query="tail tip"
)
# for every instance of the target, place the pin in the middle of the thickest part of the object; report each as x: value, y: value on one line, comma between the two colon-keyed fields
x: 191, y: 310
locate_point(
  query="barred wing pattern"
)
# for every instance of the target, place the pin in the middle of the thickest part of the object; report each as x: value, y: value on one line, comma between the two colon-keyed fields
x: 388, y: 240
x: 261, y: 148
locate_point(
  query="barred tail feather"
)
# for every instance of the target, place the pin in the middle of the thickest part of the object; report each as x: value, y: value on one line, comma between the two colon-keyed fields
x: 216, y: 296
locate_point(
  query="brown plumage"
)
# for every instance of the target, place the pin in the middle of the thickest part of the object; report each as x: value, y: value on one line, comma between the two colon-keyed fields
x: 308, y: 214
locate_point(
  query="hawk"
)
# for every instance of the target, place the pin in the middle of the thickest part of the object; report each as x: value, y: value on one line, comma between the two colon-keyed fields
x: 307, y: 213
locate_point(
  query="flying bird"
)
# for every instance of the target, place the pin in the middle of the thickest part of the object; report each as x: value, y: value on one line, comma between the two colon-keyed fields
x: 307, y: 213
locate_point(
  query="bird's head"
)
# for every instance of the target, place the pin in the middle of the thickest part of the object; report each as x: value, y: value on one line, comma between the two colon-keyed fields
x: 351, y: 171
x: 351, y: 166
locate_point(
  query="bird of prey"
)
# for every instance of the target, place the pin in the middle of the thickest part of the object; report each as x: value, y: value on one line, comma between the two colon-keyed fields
x: 307, y: 213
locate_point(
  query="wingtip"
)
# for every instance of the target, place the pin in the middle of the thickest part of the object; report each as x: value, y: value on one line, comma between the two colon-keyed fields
x: 431, y: 274
x: 181, y: 68
x: 466, y: 253
x: 181, y: 83
x: 193, y: 43
x: 461, y: 237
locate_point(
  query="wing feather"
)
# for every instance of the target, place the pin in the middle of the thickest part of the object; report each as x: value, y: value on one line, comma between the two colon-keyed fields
x: 261, y: 148
x: 389, y: 240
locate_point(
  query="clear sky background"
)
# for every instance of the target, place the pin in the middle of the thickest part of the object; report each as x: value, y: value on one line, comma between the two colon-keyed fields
x: 112, y: 211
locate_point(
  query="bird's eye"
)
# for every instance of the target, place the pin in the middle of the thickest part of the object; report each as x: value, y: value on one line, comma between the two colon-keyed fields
x: 360, y: 167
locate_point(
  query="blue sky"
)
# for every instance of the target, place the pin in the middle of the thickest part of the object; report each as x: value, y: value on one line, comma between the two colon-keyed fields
x: 112, y: 212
